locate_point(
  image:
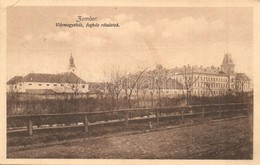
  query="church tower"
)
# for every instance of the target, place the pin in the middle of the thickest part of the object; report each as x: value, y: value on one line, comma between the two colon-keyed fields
x: 71, y: 68
x: 228, y: 65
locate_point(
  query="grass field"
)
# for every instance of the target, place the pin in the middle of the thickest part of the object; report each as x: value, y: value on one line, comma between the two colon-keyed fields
x: 224, y: 139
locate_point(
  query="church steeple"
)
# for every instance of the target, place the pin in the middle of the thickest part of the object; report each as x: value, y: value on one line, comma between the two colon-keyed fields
x: 71, y: 67
x: 228, y: 65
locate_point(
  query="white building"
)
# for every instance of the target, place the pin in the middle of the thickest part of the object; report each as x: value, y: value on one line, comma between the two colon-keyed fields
x: 211, y: 81
x: 201, y: 81
x: 67, y: 82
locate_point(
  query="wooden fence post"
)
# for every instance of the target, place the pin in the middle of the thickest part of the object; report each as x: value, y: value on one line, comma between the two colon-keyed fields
x: 86, y: 123
x: 219, y: 114
x: 220, y: 108
x: 157, y: 116
x: 30, y: 127
x: 126, y: 118
x: 202, y: 112
x: 182, y: 113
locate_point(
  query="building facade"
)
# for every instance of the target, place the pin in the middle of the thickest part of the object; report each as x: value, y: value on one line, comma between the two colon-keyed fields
x: 41, y: 83
x: 211, y: 81
x: 202, y: 81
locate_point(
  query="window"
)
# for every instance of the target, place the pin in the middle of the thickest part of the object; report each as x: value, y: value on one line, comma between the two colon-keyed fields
x: 15, y: 86
x: 40, y: 84
x: 30, y: 84
x: 55, y: 85
x: 83, y: 86
x: 20, y: 84
x: 48, y: 84
x: 62, y: 85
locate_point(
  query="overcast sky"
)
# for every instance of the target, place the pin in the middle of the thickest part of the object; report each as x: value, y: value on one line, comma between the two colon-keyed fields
x: 146, y: 37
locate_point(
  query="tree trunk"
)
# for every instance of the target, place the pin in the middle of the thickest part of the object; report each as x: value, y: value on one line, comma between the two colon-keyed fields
x: 137, y: 98
x: 152, y: 100
x: 187, y: 96
x: 129, y: 102
x: 160, y: 101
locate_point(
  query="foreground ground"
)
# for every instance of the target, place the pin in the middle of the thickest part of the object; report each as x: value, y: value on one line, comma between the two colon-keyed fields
x: 224, y: 139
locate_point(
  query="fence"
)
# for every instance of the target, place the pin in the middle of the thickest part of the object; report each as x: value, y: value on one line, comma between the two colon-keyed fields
x: 88, y: 119
x: 22, y: 104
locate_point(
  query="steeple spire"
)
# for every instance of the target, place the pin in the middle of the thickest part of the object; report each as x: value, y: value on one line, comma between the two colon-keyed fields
x: 71, y: 67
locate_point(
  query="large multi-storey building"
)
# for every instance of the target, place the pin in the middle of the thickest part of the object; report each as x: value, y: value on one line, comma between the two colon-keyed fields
x: 211, y: 81
x: 203, y: 81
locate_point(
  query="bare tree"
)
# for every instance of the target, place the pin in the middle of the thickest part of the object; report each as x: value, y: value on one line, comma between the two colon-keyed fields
x: 138, y: 80
x: 133, y: 83
x: 114, y: 80
x: 69, y: 81
x: 152, y: 88
x: 157, y: 82
x: 189, y: 79
x: 208, y: 86
x: 240, y: 81
x: 160, y: 80
x: 129, y: 86
x: 13, y: 95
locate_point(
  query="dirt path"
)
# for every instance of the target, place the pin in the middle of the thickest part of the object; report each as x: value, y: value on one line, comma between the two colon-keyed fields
x: 218, y: 140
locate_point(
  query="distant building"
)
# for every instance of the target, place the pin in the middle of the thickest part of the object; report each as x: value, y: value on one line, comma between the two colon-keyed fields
x: 202, y: 81
x: 243, y: 83
x: 159, y: 79
x: 211, y: 81
x: 67, y: 82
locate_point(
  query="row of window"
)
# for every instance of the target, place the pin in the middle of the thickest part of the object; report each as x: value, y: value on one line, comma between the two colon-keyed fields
x: 73, y: 86
x: 217, y: 85
x: 205, y: 78
x: 208, y: 92
x: 47, y: 84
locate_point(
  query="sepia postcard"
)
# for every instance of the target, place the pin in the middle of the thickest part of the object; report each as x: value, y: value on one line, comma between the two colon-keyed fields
x: 111, y: 82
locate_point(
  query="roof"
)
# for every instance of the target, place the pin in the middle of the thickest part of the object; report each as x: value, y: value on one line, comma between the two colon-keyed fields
x: 67, y: 77
x: 196, y: 69
x: 242, y: 76
x: 15, y: 79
